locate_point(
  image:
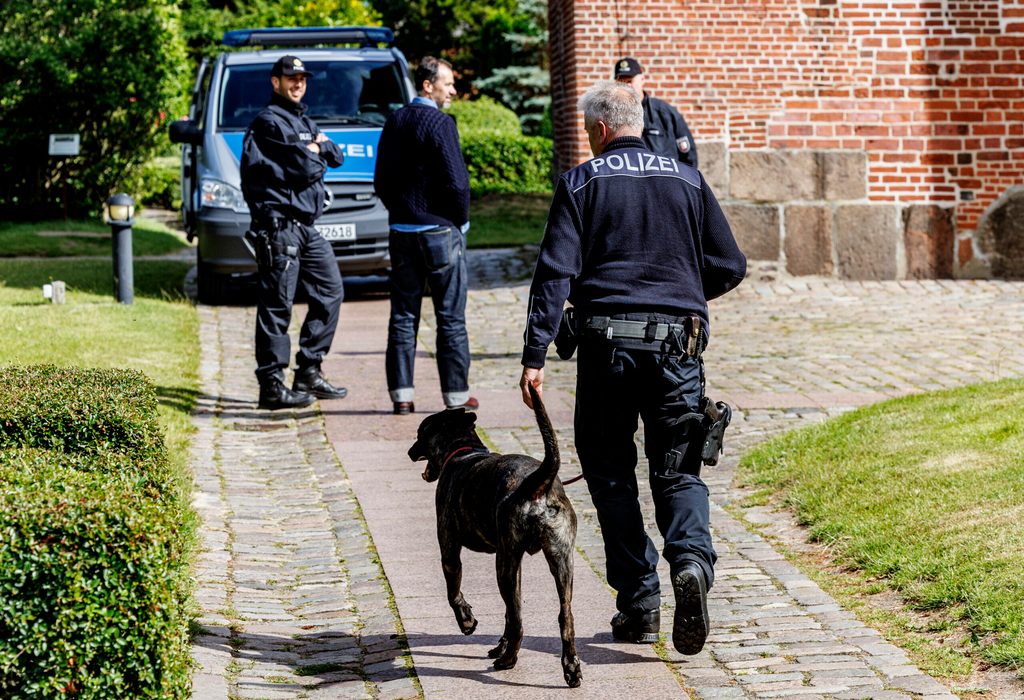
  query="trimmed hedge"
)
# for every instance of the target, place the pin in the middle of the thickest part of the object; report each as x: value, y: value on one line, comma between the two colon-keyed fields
x: 499, y: 158
x: 95, y: 540
x: 484, y: 117
x: 508, y: 164
x: 90, y: 411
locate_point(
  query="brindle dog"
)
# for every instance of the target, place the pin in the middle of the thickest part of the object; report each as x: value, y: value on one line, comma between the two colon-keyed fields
x: 504, y: 504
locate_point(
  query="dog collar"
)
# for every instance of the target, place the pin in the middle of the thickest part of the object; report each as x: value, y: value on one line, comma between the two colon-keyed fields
x: 456, y: 452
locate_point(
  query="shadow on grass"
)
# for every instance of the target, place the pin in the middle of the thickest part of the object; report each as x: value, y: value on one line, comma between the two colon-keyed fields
x: 153, y: 279
x: 177, y: 397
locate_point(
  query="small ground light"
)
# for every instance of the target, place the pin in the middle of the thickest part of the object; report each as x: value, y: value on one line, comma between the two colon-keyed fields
x: 119, y: 213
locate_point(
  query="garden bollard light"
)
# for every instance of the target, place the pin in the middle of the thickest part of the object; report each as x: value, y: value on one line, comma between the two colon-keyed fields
x: 120, y: 210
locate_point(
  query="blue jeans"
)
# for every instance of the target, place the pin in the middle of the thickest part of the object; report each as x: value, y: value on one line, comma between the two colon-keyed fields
x: 431, y: 261
x: 615, y: 387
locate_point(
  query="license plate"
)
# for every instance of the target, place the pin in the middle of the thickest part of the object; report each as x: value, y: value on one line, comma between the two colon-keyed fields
x: 337, y: 232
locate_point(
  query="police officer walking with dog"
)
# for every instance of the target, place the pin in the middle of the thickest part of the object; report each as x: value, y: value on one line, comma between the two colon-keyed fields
x: 638, y: 244
x: 284, y: 157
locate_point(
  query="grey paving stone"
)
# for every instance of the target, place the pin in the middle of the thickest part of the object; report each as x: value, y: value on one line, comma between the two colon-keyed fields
x: 716, y: 692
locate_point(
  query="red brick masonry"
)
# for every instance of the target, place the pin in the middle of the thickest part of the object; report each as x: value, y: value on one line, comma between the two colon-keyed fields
x: 931, y: 92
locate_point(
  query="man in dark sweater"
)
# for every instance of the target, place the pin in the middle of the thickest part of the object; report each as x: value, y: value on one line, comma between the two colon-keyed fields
x: 638, y: 243
x: 422, y: 180
x: 665, y: 131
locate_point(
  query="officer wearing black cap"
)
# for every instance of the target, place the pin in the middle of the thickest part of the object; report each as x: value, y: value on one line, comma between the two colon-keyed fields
x: 665, y: 130
x: 638, y: 244
x: 284, y: 158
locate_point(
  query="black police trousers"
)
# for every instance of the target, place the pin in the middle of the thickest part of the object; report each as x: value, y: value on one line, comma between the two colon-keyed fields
x: 616, y: 385
x: 301, y: 256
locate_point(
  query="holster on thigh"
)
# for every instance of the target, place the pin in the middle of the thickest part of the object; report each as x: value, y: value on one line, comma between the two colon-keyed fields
x: 717, y: 415
x: 706, y: 428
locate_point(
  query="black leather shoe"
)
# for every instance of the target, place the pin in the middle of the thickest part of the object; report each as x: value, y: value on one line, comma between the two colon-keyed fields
x: 274, y: 395
x: 403, y: 408
x: 691, y: 625
x: 639, y: 628
x: 310, y: 380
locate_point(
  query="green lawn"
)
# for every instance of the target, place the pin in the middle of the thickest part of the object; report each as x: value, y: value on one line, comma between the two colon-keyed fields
x: 923, y: 495
x: 48, y: 239
x: 507, y: 220
x: 496, y: 221
x: 158, y: 334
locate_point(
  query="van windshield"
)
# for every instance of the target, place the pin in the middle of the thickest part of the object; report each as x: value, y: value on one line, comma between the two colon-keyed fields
x: 339, y: 92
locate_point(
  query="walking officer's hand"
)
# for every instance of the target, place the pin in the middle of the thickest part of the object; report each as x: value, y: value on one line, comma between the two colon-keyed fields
x: 531, y: 376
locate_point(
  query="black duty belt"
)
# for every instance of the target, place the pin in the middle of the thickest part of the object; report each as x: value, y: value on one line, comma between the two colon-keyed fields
x: 680, y: 337
x: 280, y: 223
x: 270, y: 224
x: 637, y: 330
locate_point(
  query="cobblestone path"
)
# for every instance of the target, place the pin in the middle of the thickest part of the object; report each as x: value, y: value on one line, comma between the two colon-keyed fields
x: 297, y: 506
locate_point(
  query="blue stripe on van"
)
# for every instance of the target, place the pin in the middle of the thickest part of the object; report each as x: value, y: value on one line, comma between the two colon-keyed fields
x: 358, y: 145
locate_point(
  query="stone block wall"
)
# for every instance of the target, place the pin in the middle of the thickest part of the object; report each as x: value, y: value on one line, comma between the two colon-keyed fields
x: 809, y: 211
x: 1001, y: 235
x: 927, y: 97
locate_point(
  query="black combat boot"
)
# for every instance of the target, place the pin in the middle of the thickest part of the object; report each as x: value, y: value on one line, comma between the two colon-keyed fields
x: 691, y: 625
x: 311, y: 381
x: 638, y: 627
x: 275, y: 395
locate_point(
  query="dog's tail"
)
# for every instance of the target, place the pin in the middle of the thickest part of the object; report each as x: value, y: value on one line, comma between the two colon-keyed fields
x: 539, y: 482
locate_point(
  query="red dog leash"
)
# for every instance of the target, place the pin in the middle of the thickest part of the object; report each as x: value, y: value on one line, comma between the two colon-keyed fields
x: 458, y: 451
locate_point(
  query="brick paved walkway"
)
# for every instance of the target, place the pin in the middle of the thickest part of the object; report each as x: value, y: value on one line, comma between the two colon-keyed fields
x: 320, y: 576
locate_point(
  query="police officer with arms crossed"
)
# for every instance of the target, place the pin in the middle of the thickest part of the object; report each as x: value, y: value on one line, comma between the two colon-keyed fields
x: 665, y: 131
x: 284, y: 158
x: 638, y: 243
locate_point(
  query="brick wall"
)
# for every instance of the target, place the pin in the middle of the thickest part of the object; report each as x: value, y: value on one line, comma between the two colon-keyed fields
x: 930, y: 92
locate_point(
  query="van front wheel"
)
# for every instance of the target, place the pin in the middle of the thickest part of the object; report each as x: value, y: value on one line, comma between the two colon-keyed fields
x: 213, y: 289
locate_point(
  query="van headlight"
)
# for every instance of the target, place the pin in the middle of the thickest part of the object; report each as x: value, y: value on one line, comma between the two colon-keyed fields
x: 215, y: 193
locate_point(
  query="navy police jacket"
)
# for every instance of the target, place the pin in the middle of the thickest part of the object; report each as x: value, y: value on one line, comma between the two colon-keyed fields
x: 281, y: 178
x: 630, y: 231
x: 663, y: 127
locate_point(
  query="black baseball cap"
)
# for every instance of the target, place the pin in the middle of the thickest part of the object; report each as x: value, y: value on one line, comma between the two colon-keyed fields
x: 289, y: 65
x: 627, y: 68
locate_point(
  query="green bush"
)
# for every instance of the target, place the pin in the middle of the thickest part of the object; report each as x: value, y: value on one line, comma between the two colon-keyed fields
x: 157, y: 183
x: 499, y: 158
x: 109, y: 70
x: 89, y: 411
x: 484, y: 117
x: 94, y: 542
x: 508, y: 164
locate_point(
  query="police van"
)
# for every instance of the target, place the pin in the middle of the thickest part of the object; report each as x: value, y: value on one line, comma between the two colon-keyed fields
x: 358, y: 79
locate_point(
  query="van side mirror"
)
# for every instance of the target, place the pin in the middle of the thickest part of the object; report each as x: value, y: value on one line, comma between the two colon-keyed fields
x: 185, y: 131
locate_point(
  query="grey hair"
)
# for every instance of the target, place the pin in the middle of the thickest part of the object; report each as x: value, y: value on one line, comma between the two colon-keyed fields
x: 616, y: 104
